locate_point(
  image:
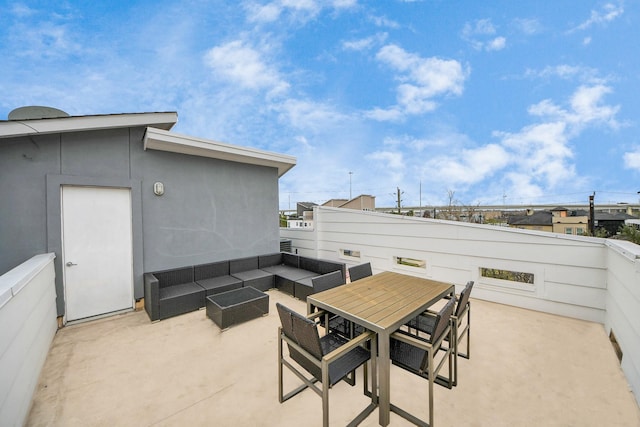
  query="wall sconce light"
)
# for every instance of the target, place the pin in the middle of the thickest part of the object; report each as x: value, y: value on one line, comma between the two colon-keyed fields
x: 158, y: 188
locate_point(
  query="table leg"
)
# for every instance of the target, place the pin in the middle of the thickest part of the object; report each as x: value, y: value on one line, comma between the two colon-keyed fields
x: 384, y: 378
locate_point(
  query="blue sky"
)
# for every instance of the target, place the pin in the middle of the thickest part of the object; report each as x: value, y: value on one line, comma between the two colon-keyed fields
x: 528, y: 102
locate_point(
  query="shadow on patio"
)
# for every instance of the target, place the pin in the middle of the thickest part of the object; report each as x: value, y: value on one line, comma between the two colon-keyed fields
x: 526, y: 368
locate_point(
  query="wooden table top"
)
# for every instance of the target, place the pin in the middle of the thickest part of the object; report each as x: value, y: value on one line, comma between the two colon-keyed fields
x: 381, y: 302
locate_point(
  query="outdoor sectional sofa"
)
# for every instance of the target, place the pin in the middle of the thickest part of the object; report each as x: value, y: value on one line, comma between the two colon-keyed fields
x: 172, y: 292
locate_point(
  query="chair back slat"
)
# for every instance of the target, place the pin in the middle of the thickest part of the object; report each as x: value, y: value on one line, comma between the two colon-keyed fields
x: 442, y: 320
x: 327, y: 281
x: 464, y: 298
x: 361, y: 271
x: 285, y: 320
x: 304, y: 333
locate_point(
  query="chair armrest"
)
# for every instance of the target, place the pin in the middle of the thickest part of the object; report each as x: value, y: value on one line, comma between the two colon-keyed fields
x: 351, y: 344
x: 411, y: 340
x: 316, y: 314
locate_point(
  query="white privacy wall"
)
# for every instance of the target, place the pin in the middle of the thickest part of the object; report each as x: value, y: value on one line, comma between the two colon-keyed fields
x: 570, y: 272
x: 623, y: 306
x: 28, y: 325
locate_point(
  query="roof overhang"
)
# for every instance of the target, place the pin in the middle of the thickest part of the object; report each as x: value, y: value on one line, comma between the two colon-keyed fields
x: 17, y: 128
x: 157, y: 139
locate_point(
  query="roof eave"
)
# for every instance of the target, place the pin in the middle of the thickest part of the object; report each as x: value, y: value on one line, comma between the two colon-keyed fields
x: 156, y: 139
x: 17, y: 128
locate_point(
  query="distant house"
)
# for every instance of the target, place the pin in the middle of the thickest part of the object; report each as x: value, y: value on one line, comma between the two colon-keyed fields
x: 114, y: 196
x: 335, y: 203
x: 612, y: 221
x: 363, y: 202
x: 565, y: 221
x: 304, y: 210
x: 557, y: 220
x: 303, y: 207
x: 533, y: 220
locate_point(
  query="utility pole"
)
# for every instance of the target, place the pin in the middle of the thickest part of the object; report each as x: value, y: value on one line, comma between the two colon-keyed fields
x: 398, y: 199
x: 592, y: 222
x: 350, y: 173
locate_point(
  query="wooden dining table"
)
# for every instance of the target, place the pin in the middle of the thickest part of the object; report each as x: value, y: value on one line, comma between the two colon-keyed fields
x: 381, y: 303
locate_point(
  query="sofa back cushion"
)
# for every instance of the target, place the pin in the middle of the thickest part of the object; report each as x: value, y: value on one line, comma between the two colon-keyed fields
x: 291, y: 260
x: 269, y: 260
x: 207, y: 271
x: 310, y: 264
x: 175, y: 276
x: 243, y: 264
x: 330, y: 266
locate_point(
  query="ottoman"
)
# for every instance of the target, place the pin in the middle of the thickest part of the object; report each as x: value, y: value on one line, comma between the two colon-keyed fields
x: 238, y: 305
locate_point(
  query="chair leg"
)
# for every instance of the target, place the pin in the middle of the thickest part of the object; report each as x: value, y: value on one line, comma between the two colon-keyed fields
x: 280, y: 385
x: 469, y: 332
x: 374, y: 370
x: 431, y: 379
x: 325, y: 394
x: 466, y: 330
x: 373, y: 393
x: 455, y: 354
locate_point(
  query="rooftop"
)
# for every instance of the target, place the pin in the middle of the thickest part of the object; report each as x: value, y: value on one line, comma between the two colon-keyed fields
x: 526, y: 368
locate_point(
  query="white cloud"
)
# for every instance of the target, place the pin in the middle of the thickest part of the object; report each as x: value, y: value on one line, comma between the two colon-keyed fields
x: 308, y: 115
x: 364, y: 43
x: 481, y: 34
x: 421, y: 79
x: 496, y: 44
x: 608, y: 13
x: 632, y: 160
x: 527, y: 25
x: 392, y: 114
x: 541, y: 152
x: 242, y: 64
x: 529, y: 162
x: 522, y: 186
x: 391, y: 159
x: 263, y: 13
x: 389, y: 166
x: 468, y: 166
x: 586, y: 75
x: 344, y: 4
x: 480, y: 27
x: 587, y: 107
x: 298, y: 10
x: 382, y: 21
x: 22, y: 10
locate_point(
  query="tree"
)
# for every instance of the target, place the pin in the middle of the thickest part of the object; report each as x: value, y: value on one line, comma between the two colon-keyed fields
x: 630, y: 233
x: 451, y: 213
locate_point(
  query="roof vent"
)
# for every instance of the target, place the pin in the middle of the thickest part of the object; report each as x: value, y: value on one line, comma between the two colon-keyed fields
x: 35, y: 112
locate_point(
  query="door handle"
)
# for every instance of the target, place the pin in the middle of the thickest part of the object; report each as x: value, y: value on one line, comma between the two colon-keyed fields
x: 71, y: 264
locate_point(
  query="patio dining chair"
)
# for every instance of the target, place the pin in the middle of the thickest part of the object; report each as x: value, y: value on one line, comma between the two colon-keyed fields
x: 361, y: 271
x: 461, y: 320
x: 328, y: 359
x: 337, y: 324
x: 425, y: 357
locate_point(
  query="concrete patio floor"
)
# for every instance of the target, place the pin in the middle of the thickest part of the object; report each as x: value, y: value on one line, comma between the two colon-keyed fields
x: 526, y: 368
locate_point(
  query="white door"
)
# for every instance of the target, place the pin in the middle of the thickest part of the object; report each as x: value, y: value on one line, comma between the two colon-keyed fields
x: 97, y: 250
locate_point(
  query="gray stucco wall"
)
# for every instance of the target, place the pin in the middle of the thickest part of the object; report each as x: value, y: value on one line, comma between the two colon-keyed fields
x: 211, y: 210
